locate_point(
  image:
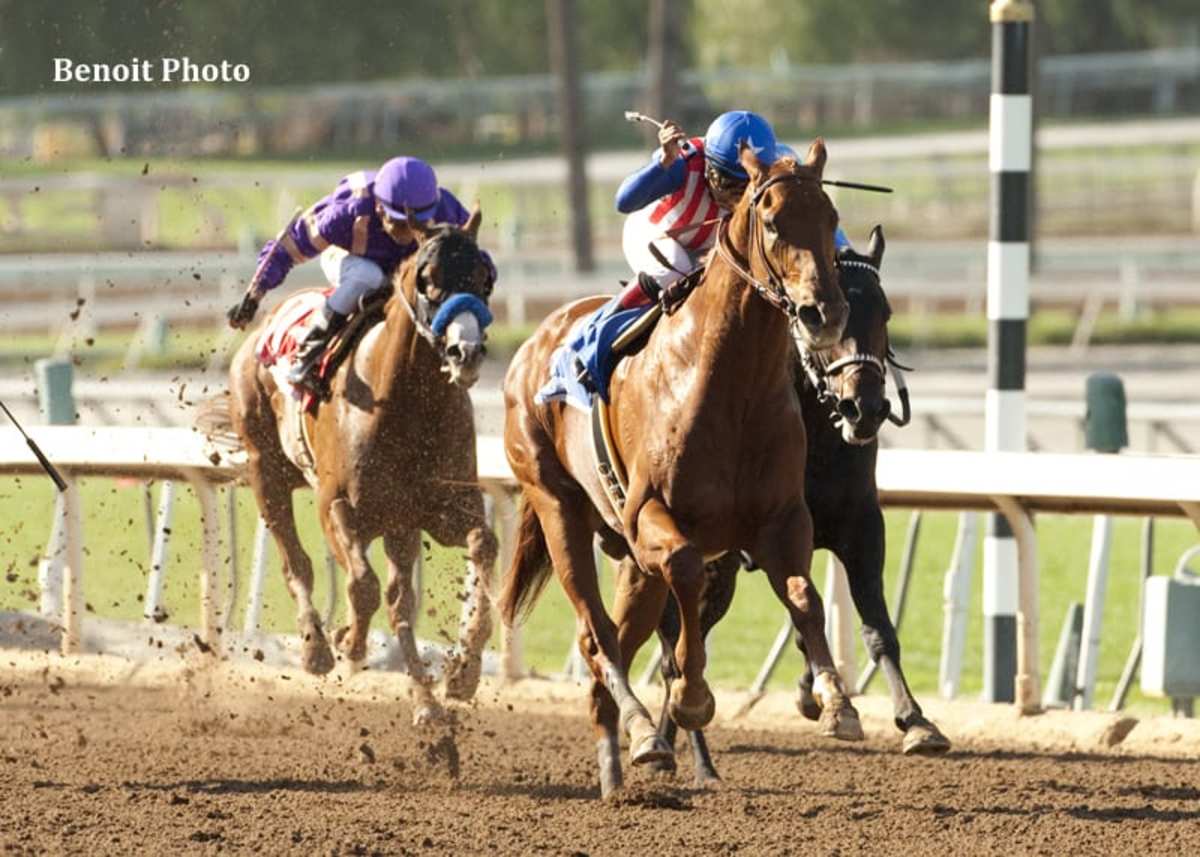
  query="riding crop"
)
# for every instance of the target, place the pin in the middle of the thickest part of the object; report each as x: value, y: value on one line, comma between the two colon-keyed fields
x: 50, y: 469
x: 634, y: 116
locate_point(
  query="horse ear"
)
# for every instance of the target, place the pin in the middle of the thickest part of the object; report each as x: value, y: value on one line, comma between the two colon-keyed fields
x: 750, y: 163
x: 471, y: 227
x: 815, y: 159
x: 876, y: 245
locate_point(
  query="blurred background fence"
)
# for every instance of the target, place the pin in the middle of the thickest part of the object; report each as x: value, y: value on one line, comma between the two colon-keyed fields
x: 341, y: 120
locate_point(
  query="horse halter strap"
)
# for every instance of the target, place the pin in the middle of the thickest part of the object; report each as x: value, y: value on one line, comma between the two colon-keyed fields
x: 772, y: 291
x: 420, y: 324
x: 817, y: 375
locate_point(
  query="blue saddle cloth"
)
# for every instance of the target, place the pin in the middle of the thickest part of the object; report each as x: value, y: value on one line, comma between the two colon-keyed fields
x: 591, y: 350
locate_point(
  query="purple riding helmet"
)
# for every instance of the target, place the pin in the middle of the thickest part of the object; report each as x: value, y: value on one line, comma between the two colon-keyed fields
x: 407, y: 183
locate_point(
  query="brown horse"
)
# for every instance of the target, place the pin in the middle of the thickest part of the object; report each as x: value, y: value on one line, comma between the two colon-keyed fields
x: 708, y: 426
x: 392, y: 454
x: 844, y: 402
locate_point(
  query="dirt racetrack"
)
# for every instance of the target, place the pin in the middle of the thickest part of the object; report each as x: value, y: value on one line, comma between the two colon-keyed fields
x: 211, y: 760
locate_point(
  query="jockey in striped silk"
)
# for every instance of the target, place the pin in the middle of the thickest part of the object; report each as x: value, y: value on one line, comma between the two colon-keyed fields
x: 361, y: 233
x: 674, y: 202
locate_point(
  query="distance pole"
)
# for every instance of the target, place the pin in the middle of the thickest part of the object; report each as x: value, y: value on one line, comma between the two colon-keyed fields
x: 1010, y: 148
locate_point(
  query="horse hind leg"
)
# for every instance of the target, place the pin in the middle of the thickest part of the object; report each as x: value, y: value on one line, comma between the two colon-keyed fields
x: 275, y: 504
x: 401, y: 550
x: 272, y: 477
x: 362, y: 586
x: 569, y: 543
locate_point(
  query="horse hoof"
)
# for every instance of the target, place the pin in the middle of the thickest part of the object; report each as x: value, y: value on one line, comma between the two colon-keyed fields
x: 692, y: 717
x: 666, y: 767
x: 925, y: 739
x: 317, y: 657
x: 807, y: 703
x: 462, y: 679
x: 841, y: 723
x: 427, y: 714
x: 708, y: 780
x: 609, y: 789
x: 651, y: 750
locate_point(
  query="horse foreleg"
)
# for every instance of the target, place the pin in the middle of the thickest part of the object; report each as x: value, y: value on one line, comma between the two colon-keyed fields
x: 786, y: 555
x: 462, y: 675
x: 362, y: 586
x: 863, y: 558
x: 662, y: 549
x: 721, y: 577
x: 401, y: 551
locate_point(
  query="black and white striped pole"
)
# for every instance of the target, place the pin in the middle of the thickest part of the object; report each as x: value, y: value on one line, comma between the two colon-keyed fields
x: 1010, y: 148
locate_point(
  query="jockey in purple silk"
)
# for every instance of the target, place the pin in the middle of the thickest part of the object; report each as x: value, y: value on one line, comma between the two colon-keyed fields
x: 674, y: 201
x: 361, y: 233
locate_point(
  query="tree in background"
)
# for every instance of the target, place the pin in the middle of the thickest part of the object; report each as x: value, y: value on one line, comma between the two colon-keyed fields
x: 755, y: 33
x: 309, y: 41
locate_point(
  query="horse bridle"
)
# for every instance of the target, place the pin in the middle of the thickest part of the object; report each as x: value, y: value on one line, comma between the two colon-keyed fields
x: 773, y: 291
x: 818, y: 373
x: 421, y: 313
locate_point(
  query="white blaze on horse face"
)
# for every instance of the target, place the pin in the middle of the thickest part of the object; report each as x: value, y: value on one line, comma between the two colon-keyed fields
x: 464, y: 349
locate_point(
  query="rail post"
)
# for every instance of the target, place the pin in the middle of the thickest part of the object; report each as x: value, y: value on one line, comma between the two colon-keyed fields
x: 60, y: 574
x: 1010, y: 147
x: 1106, y: 432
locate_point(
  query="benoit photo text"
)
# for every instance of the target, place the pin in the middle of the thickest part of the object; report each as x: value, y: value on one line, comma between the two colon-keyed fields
x: 163, y: 70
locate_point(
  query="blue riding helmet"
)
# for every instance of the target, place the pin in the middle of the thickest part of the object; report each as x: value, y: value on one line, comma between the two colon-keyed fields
x: 726, y: 134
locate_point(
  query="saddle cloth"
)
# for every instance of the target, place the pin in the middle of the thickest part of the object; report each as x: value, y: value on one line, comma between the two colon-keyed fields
x: 583, y: 365
x: 284, y: 332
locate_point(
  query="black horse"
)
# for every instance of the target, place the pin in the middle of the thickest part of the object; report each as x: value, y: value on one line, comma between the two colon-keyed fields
x: 843, y: 398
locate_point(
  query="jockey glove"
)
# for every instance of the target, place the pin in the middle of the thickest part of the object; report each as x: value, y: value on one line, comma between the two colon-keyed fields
x: 242, y: 313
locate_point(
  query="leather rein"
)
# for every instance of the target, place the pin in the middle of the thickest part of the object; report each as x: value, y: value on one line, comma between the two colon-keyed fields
x: 772, y: 291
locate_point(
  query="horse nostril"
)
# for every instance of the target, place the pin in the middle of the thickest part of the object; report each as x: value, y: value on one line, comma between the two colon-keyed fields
x: 810, y: 317
x: 455, y: 352
x: 848, y: 408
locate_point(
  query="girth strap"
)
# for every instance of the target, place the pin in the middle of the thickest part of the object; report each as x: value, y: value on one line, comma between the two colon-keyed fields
x: 608, y: 461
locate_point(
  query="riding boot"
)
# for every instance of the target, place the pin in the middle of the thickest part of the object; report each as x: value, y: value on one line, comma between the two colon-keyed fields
x: 312, y: 349
x: 641, y: 292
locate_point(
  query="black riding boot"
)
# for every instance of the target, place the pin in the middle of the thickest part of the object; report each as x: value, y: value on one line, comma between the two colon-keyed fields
x: 312, y: 349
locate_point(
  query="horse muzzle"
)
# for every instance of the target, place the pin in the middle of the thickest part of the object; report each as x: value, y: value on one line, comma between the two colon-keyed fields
x: 860, y: 419
x: 464, y: 350
x: 822, y: 323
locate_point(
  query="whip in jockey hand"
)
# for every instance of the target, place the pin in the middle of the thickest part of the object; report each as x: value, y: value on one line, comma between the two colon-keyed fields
x: 675, y: 201
x: 362, y: 234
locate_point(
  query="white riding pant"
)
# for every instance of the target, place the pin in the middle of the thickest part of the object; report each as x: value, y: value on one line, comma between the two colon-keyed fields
x: 353, y: 278
x: 636, y: 237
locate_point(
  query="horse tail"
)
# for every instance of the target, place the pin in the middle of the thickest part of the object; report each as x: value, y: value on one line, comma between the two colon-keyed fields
x: 530, y: 568
x: 214, y: 420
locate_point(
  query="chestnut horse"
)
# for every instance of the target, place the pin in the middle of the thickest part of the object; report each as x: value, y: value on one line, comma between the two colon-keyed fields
x: 844, y: 402
x: 708, y: 426
x: 393, y: 453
